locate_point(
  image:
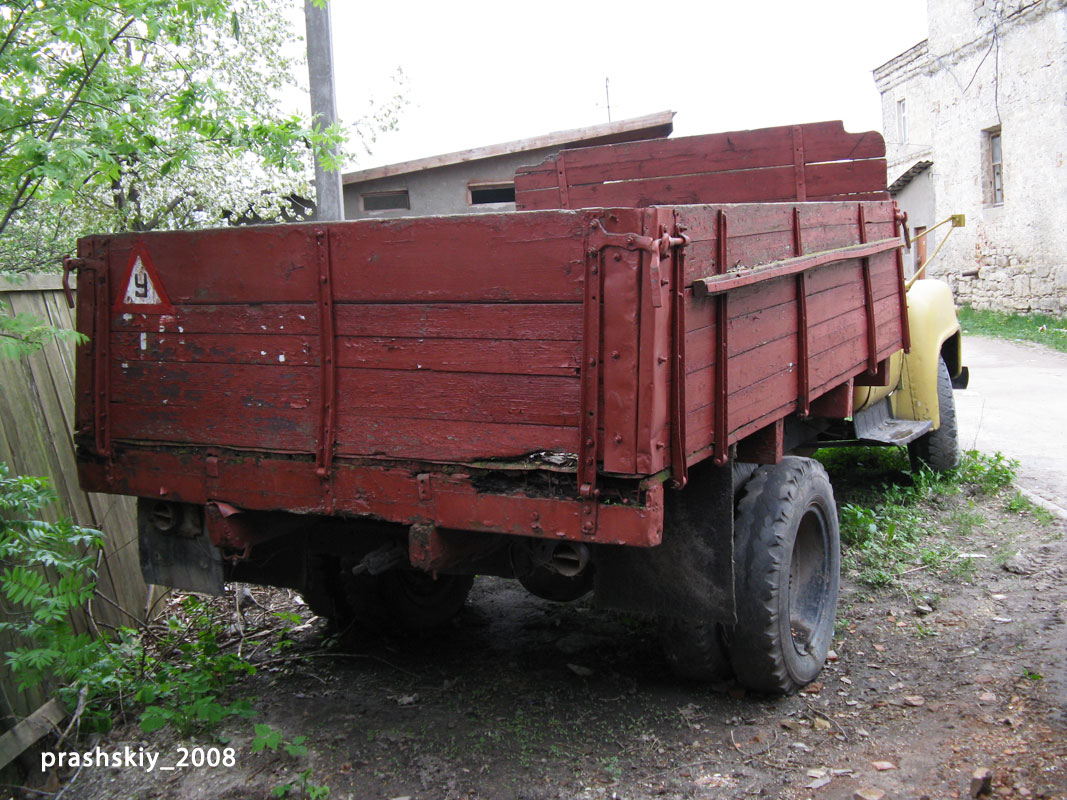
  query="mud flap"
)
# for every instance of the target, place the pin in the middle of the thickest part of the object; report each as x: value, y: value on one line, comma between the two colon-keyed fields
x: 689, y: 575
x: 181, y: 556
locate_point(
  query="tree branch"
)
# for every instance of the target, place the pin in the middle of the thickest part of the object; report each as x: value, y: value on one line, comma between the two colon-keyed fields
x: 173, y: 204
x: 14, y: 27
x: 18, y: 203
x: 15, y: 204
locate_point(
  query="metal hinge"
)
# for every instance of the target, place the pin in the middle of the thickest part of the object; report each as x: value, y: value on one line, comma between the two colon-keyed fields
x: 657, y: 248
x: 73, y: 264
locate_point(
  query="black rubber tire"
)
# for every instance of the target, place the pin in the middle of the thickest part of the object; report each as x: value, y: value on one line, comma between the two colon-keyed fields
x: 939, y: 450
x: 404, y: 598
x: 323, y: 592
x: 787, y: 563
x: 695, y: 649
x: 407, y: 599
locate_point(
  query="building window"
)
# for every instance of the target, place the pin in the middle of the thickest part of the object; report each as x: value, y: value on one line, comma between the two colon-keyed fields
x: 902, y: 120
x: 484, y: 193
x: 996, y: 168
x: 386, y: 201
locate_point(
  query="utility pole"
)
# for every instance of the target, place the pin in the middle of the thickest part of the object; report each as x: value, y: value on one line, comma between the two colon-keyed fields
x: 329, y: 199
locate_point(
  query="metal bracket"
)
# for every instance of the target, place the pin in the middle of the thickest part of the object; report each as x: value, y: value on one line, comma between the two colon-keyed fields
x: 425, y: 490
x: 328, y: 346
x: 679, y: 462
x: 100, y: 339
x: 656, y: 248
x: 590, y: 378
x: 599, y: 239
x: 74, y: 264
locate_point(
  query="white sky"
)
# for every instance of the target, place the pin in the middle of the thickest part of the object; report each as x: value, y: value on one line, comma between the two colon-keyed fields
x: 483, y: 72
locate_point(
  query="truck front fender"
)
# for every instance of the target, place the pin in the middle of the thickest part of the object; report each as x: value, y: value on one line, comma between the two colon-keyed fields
x: 935, y: 334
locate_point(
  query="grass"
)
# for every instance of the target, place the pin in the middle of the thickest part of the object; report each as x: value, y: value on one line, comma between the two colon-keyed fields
x: 888, y: 512
x: 1019, y: 504
x: 1040, y: 328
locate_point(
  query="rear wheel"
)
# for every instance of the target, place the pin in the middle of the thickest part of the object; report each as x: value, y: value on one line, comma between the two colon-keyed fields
x: 323, y: 593
x: 787, y: 562
x: 939, y: 450
x: 404, y: 598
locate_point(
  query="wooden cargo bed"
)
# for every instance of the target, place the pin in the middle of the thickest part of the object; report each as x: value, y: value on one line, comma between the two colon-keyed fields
x: 384, y: 367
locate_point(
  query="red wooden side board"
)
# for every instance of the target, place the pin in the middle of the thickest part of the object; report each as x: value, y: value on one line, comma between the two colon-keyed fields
x: 794, y: 163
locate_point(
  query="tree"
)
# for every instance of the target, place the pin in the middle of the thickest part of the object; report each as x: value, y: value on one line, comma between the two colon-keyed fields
x: 121, y: 115
x: 143, y: 114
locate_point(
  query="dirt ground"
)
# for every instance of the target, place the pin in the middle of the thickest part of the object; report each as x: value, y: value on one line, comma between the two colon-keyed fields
x: 960, y: 668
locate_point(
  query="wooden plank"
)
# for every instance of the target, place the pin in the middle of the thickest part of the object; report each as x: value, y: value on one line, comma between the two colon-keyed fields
x: 429, y: 439
x: 225, y: 405
x: 773, y: 184
x: 476, y: 258
x: 619, y: 368
x: 505, y: 356
x: 211, y: 348
x: 196, y: 385
x: 263, y: 319
x: 837, y: 180
x: 540, y: 321
x: 461, y: 397
x: 841, y: 178
x: 228, y: 424
x: 27, y: 732
x: 753, y: 366
x: 31, y: 282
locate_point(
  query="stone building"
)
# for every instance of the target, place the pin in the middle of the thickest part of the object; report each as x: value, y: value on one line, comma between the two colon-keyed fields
x: 975, y: 122
x: 479, y: 180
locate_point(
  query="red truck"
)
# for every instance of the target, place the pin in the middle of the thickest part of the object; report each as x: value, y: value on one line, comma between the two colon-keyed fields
x: 605, y: 390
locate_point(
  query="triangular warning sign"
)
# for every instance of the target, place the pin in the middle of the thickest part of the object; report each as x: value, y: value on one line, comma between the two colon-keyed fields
x: 141, y: 291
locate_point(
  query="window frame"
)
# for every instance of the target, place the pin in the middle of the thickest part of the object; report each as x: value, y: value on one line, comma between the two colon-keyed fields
x: 902, y: 120
x: 385, y: 193
x: 475, y: 186
x: 995, y: 165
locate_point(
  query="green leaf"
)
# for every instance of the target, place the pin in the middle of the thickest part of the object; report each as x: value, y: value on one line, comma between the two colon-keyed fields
x: 153, y: 719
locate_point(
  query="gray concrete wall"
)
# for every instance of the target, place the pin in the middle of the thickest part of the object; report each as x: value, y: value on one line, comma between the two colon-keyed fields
x: 917, y: 198
x: 988, y: 64
x: 443, y: 190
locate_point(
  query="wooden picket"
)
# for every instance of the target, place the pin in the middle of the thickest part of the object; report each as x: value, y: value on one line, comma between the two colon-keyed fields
x: 36, y: 421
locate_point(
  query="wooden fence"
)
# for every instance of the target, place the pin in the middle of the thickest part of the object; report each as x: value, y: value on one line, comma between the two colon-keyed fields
x: 36, y: 421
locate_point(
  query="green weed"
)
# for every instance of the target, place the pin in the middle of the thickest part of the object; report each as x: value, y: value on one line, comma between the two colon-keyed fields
x: 302, y: 788
x: 1020, y: 504
x: 268, y: 738
x: 886, y: 512
x: 179, y: 676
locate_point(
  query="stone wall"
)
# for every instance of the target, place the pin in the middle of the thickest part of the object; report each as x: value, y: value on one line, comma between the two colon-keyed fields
x: 1007, y: 282
x: 990, y: 66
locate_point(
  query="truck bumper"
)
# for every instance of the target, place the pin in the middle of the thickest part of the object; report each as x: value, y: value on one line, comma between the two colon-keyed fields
x: 451, y: 500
